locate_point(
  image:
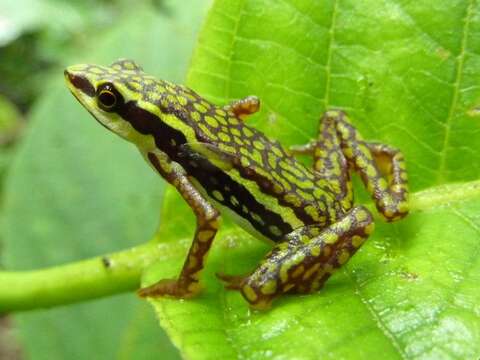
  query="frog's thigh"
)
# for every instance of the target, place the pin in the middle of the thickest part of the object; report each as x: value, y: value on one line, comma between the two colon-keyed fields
x: 207, y: 224
x: 308, y: 258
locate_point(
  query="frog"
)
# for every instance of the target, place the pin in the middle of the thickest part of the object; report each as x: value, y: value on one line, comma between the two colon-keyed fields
x: 224, y: 167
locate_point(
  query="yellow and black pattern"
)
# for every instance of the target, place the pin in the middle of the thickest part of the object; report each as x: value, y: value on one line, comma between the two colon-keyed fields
x: 305, y: 260
x: 217, y: 162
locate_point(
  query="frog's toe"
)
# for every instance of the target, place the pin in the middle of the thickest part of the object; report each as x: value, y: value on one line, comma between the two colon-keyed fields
x: 303, y: 149
x: 233, y: 282
x: 170, y: 288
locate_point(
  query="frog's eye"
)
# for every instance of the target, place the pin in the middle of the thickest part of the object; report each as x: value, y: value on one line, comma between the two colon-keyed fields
x: 107, y: 97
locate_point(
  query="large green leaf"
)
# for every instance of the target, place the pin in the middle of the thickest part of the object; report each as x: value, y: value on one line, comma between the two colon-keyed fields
x: 76, y: 191
x: 408, y: 73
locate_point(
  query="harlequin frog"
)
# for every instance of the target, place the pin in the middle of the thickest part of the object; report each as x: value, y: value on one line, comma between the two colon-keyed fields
x: 221, y: 165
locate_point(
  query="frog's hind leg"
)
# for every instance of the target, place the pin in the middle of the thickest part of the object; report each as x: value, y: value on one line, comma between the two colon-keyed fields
x: 373, y: 161
x: 329, y: 161
x: 305, y: 260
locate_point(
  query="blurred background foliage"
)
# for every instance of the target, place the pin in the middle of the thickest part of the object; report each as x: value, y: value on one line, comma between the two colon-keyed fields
x: 38, y: 38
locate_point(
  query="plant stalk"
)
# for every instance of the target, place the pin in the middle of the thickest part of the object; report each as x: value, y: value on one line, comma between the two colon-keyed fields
x: 78, y: 281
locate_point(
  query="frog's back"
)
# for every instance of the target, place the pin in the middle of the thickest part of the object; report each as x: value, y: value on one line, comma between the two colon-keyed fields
x: 260, y: 164
x: 257, y: 180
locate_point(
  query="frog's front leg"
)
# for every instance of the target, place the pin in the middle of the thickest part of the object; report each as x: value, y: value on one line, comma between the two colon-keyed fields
x: 208, y: 218
x: 305, y: 260
x: 242, y: 108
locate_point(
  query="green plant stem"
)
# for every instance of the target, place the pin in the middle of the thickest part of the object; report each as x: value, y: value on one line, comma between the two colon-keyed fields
x: 79, y: 281
x: 121, y: 272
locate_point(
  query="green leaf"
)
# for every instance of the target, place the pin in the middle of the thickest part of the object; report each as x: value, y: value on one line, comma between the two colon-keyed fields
x: 408, y: 74
x: 76, y: 191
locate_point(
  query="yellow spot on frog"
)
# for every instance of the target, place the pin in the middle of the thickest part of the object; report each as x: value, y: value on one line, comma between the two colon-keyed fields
x: 311, y: 271
x: 238, y: 140
x: 345, y: 224
x: 235, y: 131
x: 332, y: 113
x: 357, y: 241
x: 249, y: 293
x: 136, y: 85
x: 211, y: 121
x: 205, y: 235
x: 369, y: 228
x: 328, y: 268
x: 382, y: 184
x: 298, y: 271
x: 275, y: 230
x: 361, y: 216
x: 277, y: 189
x: 388, y: 213
x: 315, y: 250
x: 293, y: 199
x: 257, y: 218
x: 269, y: 287
x: 234, y: 200
x: 403, y: 207
x: 312, y: 212
x: 284, y: 272
x: 207, y: 131
x: 191, y: 97
x: 343, y: 257
x: 247, y: 132
x: 195, y: 116
x: 217, y: 195
x: 330, y: 237
x: 259, y: 145
x: 224, y: 137
x: 220, y: 112
x: 200, y: 108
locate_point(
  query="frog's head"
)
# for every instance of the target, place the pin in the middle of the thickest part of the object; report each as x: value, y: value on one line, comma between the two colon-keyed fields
x: 116, y: 96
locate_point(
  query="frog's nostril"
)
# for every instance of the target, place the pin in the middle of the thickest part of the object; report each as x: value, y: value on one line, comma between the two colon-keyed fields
x: 81, y: 83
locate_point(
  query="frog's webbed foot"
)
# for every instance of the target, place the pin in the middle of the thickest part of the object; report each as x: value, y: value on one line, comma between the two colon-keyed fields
x: 170, y: 288
x: 232, y: 282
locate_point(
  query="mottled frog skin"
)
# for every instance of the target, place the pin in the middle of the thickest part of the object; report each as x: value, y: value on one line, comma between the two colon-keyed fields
x: 221, y: 165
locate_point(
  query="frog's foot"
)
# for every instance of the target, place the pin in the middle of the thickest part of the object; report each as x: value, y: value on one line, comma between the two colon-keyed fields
x: 233, y: 282
x: 249, y: 291
x: 170, y: 288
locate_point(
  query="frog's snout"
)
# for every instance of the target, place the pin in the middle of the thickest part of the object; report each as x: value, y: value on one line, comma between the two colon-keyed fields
x: 79, y: 82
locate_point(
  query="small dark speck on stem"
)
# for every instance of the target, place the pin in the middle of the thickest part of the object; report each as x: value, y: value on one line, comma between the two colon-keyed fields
x: 106, y: 262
